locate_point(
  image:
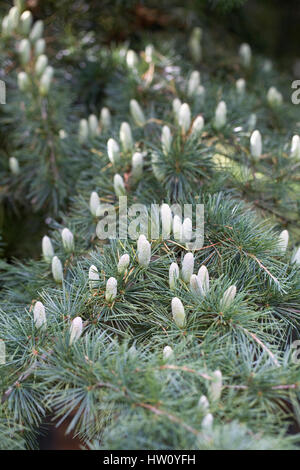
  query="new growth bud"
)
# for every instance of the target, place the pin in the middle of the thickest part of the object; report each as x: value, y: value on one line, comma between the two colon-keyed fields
x: 57, y: 270
x: 75, y: 329
x: 178, y: 312
x: 39, y: 315
x: 111, y: 289
x: 143, y: 251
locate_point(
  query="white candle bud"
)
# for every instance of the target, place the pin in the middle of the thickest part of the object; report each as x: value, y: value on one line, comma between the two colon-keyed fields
x: 178, y: 312
x: 256, y: 144
x: 13, y: 17
x: 41, y: 64
x: 296, y: 257
x: 193, y: 83
x: 25, y: 22
x: 94, y: 277
x: 23, y: 81
x: 105, y: 119
x: 39, y: 315
x: 36, y: 31
x: 168, y: 353
x: 173, y: 275
x: 149, y: 50
x: 113, y: 151
x: 200, y: 94
x: 137, y: 164
x: 143, y: 251
x: 240, y: 85
x: 119, y: 185
x: 2, y: 352
x: 24, y: 51
x: 83, y: 131
x: 184, y: 117
x: 216, y: 386
x: 203, y: 277
x: 39, y: 47
x: 187, y: 267
x: 111, y: 289
x: 166, y: 139
x: 75, y: 329
x: 131, y: 59
x: 187, y: 230
x: 94, y: 203
x: 47, y: 249
x: 156, y: 167
x: 67, y: 240
x: 126, y: 137
x: 220, y: 115
x: 283, y: 240
x: 14, y: 166
x: 93, y: 126
x: 45, y: 81
x: 137, y: 113
x: 176, y: 105
x: 123, y: 263
x: 197, y: 126
x: 177, y: 228
x: 57, y: 270
x: 228, y: 297
x: 207, y: 422
x: 274, y: 97
x: 166, y: 220
x: 5, y: 27
x: 245, y: 55
x: 195, y: 285
x: 295, y: 147
x: 203, y: 404
x: 251, y: 123
x: 195, y: 45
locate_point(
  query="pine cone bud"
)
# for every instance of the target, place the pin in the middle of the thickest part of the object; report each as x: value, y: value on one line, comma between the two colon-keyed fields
x: 23, y: 81
x: 184, y: 117
x: 39, y: 47
x: 228, y: 297
x: 193, y: 83
x: 105, y: 119
x: 137, y: 165
x: 93, y: 126
x: 216, y: 386
x: 220, y: 115
x: 83, y: 132
x: 93, y: 277
x: 41, y: 64
x: 119, y: 185
x: 47, y: 249
x: 176, y: 105
x: 13, y: 18
x: 197, y: 126
x: 173, y: 275
x: 168, y: 353
x: 57, y: 270
x: 195, y: 45
x: 207, y: 422
x: 187, y: 267
x: 283, y: 241
x: 67, y: 240
x: 177, y: 228
x: 195, y: 286
x: 178, y: 312
x: 25, y: 22
x: 274, y: 97
x: 166, y: 220
x: 245, y: 55
x: 143, y: 251
x: 137, y: 113
x: 187, y: 230
x: 94, y: 203
x: 24, y: 51
x: 240, y: 85
x: 295, y: 147
x: 131, y: 59
x: 123, y: 263
x: 296, y: 257
x: 36, y: 31
x: 203, y: 277
x: 166, y: 139
x: 45, y: 81
x: 14, y: 166
x: 203, y: 404
x: 75, y: 330
x: 256, y: 144
x: 111, y: 289
x: 126, y: 137
x: 39, y: 315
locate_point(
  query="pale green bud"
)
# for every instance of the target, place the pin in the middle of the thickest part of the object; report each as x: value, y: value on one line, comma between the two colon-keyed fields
x: 14, y: 166
x: 143, y: 251
x: 177, y: 228
x: 39, y: 47
x: 245, y: 55
x: 47, y: 249
x: 105, y: 119
x: 176, y: 105
x: 62, y: 134
x: 36, y: 31
x: 228, y: 297
x: 149, y: 50
x: 123, y: 263
x: 220, y: 115
x: 113, y: 151
x: 25, y: 22
x: 13, y: 18
x: 251, y: 123
x: 216, y: 386
x: 2, y: 352
x: 195, y: 285
x: 240, y: 85
x: 203, y: 277
x: 295, y: 147
x: 67, y: 240
x: 75, y: 329
x: 137, y: 164
x: 57, y: 270
x: 193, y: 83
x: 93, y: 277
x: 24, y: 51
x: 41, y: 64
x: 131, y: 59
x: 203, y: 404
x: 166, y: 220
x: 283, y: 241
x: 274, y: 97
x: 111, y: 289
x: 39, y: 315
x: 168, y: 353
x: 187, y: 267
x: 207, y: 422
x: 197, y: 126
x: 126, y: 137
x: 137, y: 113
x: 173, y: 275
x: 187, y: 230
x: 184, y: 117
x: 45, y: 81
x: 119, y: 185
x: 195, y: 45
x: 166, y: 139
x: 296, y: 257
x: 83, y: 131
x: 93, y: 126
x: 256, y: 144
x: 94, y: 203
x: 178, y: 312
